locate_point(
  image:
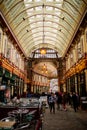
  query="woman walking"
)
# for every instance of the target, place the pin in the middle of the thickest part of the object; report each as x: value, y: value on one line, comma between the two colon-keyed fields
x: 52, y: 100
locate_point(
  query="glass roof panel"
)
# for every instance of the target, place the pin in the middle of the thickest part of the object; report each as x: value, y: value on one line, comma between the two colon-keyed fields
x: 57, y: 20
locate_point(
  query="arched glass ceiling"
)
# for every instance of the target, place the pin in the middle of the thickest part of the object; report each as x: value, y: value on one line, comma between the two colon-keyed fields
x: 44, y: 23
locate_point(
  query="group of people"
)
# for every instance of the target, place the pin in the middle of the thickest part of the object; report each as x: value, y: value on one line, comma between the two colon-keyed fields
x: 62, y: 99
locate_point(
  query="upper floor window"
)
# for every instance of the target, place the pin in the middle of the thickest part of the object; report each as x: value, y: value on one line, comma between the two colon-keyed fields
x: 71, y: 59
x: 5, y: 47
x: 79, y: 50
x: 0, y: 37
x: 81, y: 42
x: 86, y: 36
x: 8, y: 51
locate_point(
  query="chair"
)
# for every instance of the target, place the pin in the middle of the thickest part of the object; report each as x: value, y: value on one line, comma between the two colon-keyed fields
x: 8, y: 119
x: 12, y: 115
x: 22, y: 126
x: 30, y: 116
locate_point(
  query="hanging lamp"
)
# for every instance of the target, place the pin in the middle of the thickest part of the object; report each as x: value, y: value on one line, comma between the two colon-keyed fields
x: 43, y: 50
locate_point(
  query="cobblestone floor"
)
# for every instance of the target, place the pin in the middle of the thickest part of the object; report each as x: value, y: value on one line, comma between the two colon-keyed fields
x: 65, y: 120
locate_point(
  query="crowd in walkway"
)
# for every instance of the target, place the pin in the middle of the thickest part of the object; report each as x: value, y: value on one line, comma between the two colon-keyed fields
x: 62, y: 99
x: 64, y: 112
x: 65, y: 120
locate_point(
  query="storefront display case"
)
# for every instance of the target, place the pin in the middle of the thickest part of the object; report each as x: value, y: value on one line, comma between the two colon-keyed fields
x: 29, y: 105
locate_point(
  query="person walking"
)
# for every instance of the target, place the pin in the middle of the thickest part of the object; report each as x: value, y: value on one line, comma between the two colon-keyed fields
x: 75, y: 102
x: 48, y: 95
x: 64, y: 100
x: 59, y: 100
x: 78, y: 100
x: 52, y: 100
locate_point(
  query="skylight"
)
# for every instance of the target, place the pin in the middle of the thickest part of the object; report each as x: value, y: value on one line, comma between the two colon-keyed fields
x: 44, y: 19
x: 30, y: 20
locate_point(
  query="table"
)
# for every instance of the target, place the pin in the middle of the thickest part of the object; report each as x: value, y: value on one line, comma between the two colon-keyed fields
x: 6, y: 124
x: 20, y: 113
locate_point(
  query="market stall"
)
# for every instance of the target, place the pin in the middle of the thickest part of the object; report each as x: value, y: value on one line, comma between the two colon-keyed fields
x: 27, y: 112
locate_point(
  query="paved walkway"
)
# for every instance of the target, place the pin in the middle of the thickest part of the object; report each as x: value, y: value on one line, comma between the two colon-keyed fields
x: 65, y: 120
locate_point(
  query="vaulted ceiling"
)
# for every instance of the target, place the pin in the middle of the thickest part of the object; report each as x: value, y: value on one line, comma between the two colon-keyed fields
x: 44, y: 23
